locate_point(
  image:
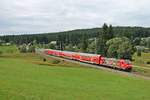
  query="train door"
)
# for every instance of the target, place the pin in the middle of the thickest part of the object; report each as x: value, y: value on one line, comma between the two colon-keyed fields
x: 101, y: 60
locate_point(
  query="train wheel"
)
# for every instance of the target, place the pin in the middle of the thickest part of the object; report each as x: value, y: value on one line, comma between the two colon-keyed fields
x: 44, y: 59
x: 129, y: 69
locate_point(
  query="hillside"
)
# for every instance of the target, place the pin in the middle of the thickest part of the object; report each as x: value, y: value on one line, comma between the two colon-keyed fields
x: 47, y: 37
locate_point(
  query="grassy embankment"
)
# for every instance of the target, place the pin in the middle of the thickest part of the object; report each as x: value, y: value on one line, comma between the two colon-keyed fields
x: 141, y: 65
x: 27, y: 77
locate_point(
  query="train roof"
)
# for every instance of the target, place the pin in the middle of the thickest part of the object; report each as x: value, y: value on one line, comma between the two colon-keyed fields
x: 88, y: 54
x: 84, y: 54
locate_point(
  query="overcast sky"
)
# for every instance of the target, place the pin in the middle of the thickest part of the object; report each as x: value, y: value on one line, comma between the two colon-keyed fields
x: 35, y: 16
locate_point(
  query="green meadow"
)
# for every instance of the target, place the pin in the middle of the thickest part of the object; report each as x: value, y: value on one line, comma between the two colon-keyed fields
x: 27, y: 77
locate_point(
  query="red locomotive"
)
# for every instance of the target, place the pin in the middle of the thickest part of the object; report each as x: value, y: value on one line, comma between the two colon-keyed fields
x: 92, y: 58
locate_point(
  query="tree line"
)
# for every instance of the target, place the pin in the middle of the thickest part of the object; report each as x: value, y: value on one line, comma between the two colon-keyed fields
x: 72, y: 36
x: 109, y: 41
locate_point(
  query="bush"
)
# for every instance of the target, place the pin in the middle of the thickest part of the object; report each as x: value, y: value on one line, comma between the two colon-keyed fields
x: 56, y: 61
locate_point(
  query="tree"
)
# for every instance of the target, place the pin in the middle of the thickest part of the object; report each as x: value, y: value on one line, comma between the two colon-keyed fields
x: 23, y: 48
x: 60, y: 42
x: 125, y: 50
x: 148, y: 42
x: 136, y: 41
x: 100, y: 46
x: 110, y: 32
x: 103, y: 37
x: 69, y: 47
x: 145, y: 42
x: 84, y: 43
x: 34, y: 42
x: 105, y: 34
x: 92, y: 46
x: 119, y: 48
x: 113, y: 45
x: 101, y: 41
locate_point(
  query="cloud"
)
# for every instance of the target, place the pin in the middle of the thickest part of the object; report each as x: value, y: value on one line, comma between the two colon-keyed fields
x: 34, y: 16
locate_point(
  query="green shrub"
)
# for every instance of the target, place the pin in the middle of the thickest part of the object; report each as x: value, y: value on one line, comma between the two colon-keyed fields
x: 56, y: 61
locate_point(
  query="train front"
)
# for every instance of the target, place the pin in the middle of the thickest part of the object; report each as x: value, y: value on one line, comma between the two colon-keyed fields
x: 118, y: 63
x: 125, y: 64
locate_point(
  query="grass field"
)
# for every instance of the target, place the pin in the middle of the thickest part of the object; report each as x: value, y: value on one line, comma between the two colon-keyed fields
x: 9, y: 49
x: 27, y: 77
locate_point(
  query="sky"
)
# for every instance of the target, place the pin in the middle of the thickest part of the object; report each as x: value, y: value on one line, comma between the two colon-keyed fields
x: 38, y: 16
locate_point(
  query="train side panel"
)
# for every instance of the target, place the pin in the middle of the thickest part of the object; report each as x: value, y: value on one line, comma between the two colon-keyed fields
x: 75, y: 56
x: 92, y: 58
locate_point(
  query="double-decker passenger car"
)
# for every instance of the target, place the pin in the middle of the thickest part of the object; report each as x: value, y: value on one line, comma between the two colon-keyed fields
x: 92, y: 58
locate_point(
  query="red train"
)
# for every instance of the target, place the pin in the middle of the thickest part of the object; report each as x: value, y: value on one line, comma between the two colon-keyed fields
x: 92, y: 58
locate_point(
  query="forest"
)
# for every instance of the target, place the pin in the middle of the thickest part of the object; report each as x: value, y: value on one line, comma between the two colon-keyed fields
x: 109, y: 41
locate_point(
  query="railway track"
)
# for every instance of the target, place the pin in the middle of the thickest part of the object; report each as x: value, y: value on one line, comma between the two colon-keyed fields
x: 132, y: 74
